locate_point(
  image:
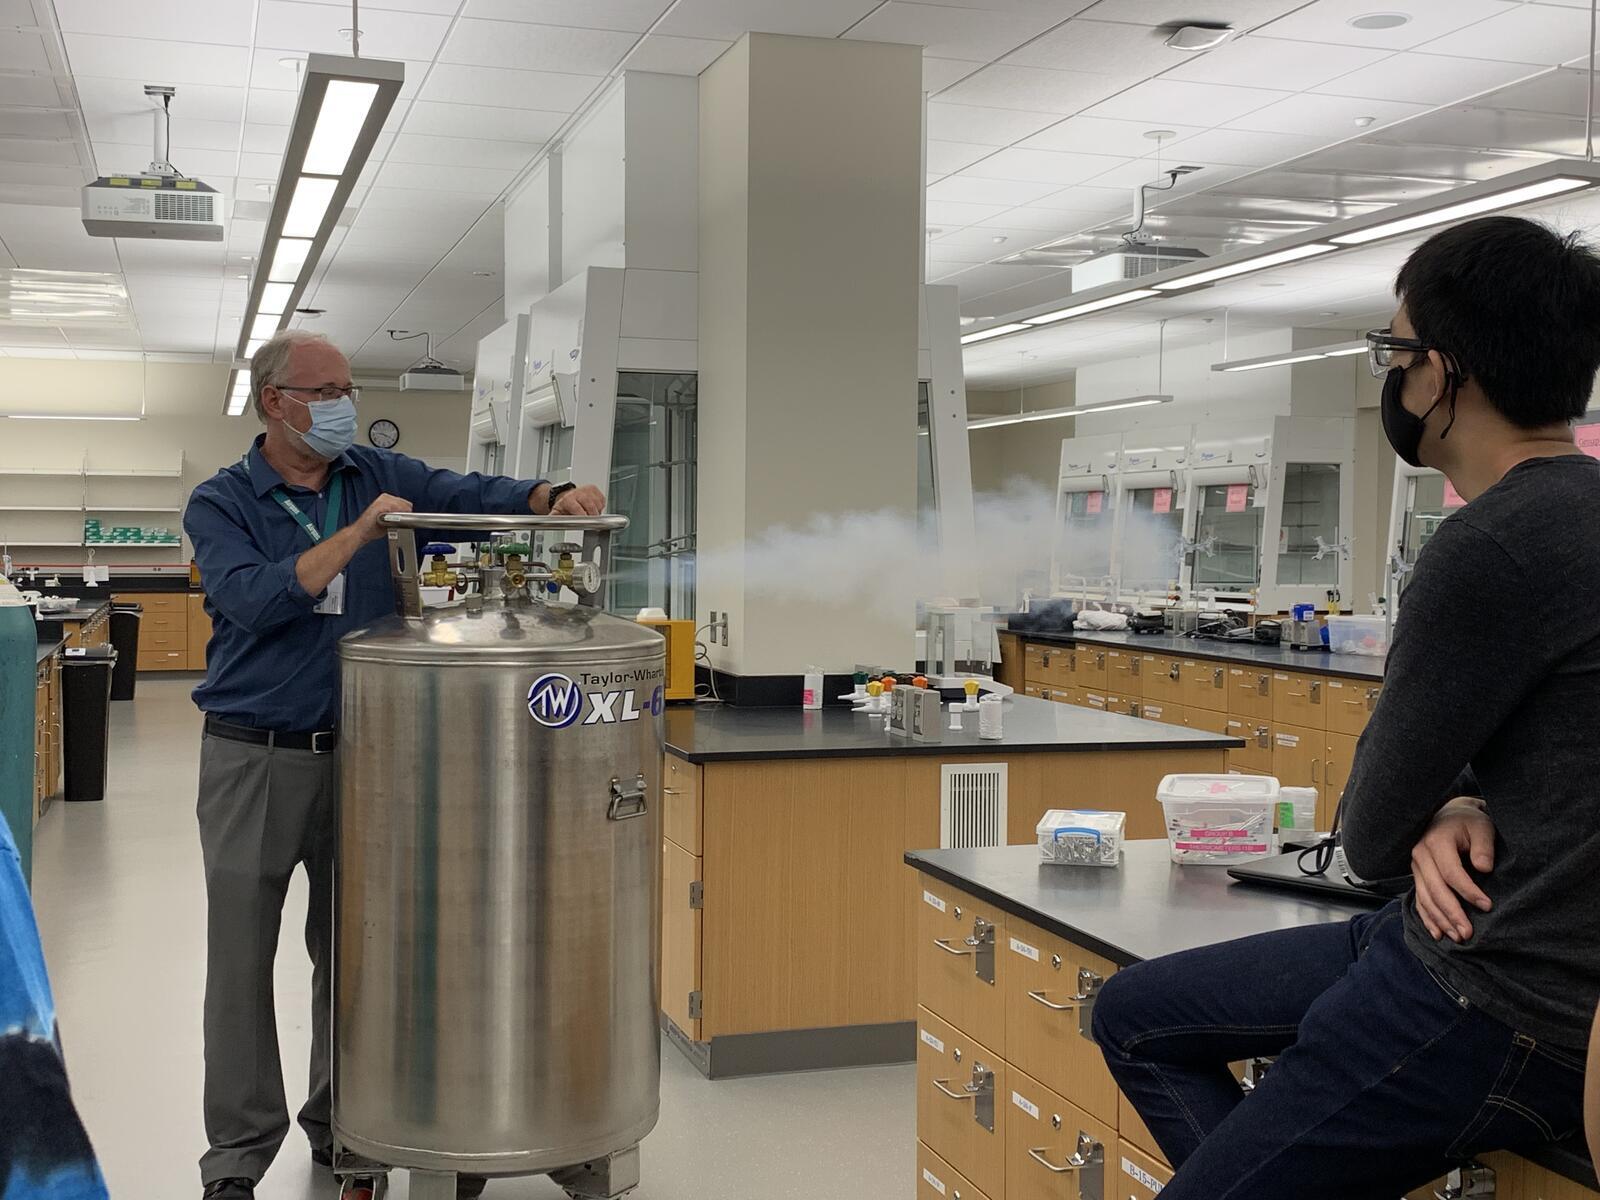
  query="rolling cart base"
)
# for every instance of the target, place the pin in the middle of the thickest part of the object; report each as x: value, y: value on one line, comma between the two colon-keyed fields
x: 607, y: 1178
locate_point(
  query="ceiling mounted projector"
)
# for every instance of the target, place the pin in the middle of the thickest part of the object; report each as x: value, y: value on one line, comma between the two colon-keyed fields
x: 158, y: 202
x: 432, y: 377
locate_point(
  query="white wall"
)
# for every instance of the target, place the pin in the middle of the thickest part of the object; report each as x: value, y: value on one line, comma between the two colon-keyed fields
x: 184, y: 413
x: 1200, y: 394
x: 1019, y: 455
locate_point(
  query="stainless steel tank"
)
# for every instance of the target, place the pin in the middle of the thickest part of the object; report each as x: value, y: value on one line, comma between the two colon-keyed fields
x: 495, y: 1000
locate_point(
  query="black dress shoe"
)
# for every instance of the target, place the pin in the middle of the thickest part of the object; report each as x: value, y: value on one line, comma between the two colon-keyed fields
x: 322, y: 1156
x: 230, y: 1189
x: 470, y: 1187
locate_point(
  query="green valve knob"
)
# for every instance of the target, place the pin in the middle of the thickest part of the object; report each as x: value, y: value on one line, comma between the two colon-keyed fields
x: 522, y: 548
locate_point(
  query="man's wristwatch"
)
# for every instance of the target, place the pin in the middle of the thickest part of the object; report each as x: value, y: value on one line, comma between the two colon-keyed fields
x: 557, y: 490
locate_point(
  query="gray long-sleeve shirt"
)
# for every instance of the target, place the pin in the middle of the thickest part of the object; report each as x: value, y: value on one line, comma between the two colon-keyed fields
x: 1495, y: 666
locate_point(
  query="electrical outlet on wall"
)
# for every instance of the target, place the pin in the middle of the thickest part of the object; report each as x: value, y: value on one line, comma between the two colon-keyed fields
x: 724, y: 629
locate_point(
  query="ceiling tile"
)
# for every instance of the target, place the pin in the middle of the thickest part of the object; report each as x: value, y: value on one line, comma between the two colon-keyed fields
x: 315, y: 28
x: 1044, y: 166
x: 947, y: 157
x: 1162, y: 100
x: 40, y: 174
x: 444, y: 8
x: 631, y: 15
x: 267, y: 106
x: 268, y: 73
x: 148, y: 60
x: 954, y: 32
x: 1053, y: 222
x: 1088, y: 198
x: 536, y: 47
x: 1096, y: 135
x: 1328, y: 22
x: 982, y: 126
x: 963, y: 189
x: 1418, y: 78
x: 125, y: 97
x: 1530, y: 33
x: 1104, y: 47
x: 187, y: 134
x: 1241, y: 14
x: 1563, y: 90
x: 675, y: 55
x: 456, y: 83
x: 28, y: 91
x: 1031, y: 89
x: 945, y: 215
x: 1245, y: 148
x: 48, y: 126
x: 1276, y: 63
x: 475, y: 120
x: 460, y: 152
x: 401, y: 208
x: 24, y: 50
x: 731, y: 19
x: 1143, y: 170
x: 1544, y: 133
x: 220, y: 22
x: 65, y: 154
x: 940, y: 73
x: 1333, y: 117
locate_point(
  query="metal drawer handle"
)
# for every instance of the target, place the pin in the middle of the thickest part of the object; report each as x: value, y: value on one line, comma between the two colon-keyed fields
x: 944, y: 944
x: 1089, y: 1153
x: 1037, y: 1154
x: 940, y: 1084
x: 1053, y: 1006
x: 672, y: 791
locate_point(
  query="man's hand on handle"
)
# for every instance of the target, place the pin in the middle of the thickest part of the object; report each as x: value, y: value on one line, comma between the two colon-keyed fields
x: 370, y: 523
x: 317, y: 567
x: 1461, y: 831
x: 585, y: 500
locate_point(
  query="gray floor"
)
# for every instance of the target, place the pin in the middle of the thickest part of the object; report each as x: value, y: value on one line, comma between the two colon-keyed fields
x: 121, y: 906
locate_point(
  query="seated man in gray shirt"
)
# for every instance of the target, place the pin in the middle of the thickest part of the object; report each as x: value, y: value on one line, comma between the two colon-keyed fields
x: 1417, y: 1035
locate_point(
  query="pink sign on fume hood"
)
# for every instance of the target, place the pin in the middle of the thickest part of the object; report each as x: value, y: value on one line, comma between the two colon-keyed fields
x: 1238, y: 497
x: 1094, y: 503
x: 1162, y: 501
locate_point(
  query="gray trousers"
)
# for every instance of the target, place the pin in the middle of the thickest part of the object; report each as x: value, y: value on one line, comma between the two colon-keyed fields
x: 262, y: 813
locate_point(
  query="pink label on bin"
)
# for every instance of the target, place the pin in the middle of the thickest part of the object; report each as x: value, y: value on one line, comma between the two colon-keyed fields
x: 1238, y: 496
x: 1223, y: 847
x: 1218, y: 833
x: 1094, y: 503
x: 1162, y: 502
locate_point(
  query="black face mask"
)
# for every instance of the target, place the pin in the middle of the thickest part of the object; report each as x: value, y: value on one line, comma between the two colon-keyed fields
x: 1401, y: 426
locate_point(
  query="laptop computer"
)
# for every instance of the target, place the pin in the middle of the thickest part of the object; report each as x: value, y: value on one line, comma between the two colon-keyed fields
x: 1283, y: 871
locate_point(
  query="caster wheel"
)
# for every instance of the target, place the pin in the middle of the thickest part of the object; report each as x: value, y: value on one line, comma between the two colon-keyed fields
x: 364, y: 1187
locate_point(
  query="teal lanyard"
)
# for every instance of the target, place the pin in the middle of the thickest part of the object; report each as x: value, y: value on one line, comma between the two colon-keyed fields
x: 330, y: 519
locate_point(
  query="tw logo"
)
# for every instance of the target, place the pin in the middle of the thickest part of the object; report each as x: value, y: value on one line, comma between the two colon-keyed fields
x: 554, y: 701
x: 610, y: 708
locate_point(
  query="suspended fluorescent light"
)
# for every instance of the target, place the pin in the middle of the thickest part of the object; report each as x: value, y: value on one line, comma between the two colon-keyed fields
x: 984, y: 335
x: 236, y: 398
x: 342, y: 107
x: 1258, y: 262
x: 1078, y: 310
x: 344, y: 113
x: 1467, y: 208
x: 1055, y: 414
x: 1308, y: 354
x: 67, y: 417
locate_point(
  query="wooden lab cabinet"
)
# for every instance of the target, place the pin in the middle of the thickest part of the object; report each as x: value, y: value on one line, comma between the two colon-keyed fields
x: 47, y: 742
x: 1350, y: 704
x: 173, y: 630
x: 682, y: 894
x: 1311, y: 758
x: 198, y: 629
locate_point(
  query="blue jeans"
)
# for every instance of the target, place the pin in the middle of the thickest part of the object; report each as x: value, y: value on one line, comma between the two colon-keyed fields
x: 1385, y: 1077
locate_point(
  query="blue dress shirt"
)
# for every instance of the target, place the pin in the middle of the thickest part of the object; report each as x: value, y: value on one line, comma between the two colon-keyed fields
x: 273, y: 663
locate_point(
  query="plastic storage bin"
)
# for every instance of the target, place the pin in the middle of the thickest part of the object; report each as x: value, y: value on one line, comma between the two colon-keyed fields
x: 1358, y: 635
x: 1219, y: 819
x: 1081, y: 837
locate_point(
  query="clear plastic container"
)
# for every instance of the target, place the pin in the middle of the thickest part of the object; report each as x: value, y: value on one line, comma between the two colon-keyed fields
x: 1297, y: 812
x: 1219, y: 820
x: 1081, y: 837
x: 1358, y: 635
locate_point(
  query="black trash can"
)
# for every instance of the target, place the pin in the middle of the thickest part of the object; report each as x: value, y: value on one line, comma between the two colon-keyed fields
x: 125, y: 620
x: 86, y: 719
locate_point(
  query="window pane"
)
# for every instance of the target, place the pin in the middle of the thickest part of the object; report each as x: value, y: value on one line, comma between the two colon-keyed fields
x: 1232, y: 560
x: 1310, y: 525
x: 1151, y: 540
x: 653, y: 469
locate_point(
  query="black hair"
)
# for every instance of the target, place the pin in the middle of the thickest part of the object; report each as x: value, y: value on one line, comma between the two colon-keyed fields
x: 1517, y: 306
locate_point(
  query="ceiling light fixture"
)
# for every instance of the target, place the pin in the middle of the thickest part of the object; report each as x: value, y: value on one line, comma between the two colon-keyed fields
x: 1380, y: 20
x: 1194, y: 38
x: 343, y: 105
x: 983, y: 335
x: 238, y: 392
x: 1309, y: 354
x: 1054, y: 414
x: 1540, y: 182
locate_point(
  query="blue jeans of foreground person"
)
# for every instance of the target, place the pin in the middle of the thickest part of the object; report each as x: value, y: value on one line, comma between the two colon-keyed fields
x: 1385, y: 1077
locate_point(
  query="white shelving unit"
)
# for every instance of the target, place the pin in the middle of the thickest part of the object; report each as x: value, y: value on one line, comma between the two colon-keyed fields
x: 88, y: 489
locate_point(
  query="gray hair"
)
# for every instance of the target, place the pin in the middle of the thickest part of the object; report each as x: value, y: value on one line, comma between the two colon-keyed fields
x: 270, y: 364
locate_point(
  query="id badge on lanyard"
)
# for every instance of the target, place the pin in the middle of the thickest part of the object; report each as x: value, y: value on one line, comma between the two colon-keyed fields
x: 332, y: 602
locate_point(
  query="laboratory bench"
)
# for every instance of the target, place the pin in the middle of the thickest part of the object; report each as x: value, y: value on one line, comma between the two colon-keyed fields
x: 1009, y: 954
x: 1297, y: 713
x: 173, y: 627
x: 47, y: 739
x: 86, y: 624
x: 785, y: 909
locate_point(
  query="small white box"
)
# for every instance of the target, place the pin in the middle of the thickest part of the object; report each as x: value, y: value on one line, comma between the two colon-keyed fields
x: 1219, y: 820
x: 1081, y: 837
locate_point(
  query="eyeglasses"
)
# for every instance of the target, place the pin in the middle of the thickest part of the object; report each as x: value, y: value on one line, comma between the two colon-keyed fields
x: 325, y: 393
x: 1382, y: 345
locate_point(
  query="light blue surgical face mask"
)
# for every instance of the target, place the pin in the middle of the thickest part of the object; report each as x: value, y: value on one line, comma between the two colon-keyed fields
x: 333, y: 427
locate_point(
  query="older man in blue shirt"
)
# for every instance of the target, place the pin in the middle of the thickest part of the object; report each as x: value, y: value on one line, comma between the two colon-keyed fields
x: 288, y: 541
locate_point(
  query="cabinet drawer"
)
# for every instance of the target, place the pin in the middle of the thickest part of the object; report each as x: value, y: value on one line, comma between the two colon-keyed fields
x: 1127, y: 706
x: 1350, y: 703
x: 155, y: 602
x: 1035, y: 690
x: 961, y: 964
x: 1205, y: 684
x: 1123, y: 671
x: 150, y: 642
x: 963, y: 1102
x: 1205, y: 718
x: 1162, y: 679
x: 1300, y: 700
x: 1089, y: 667
x: 1054, y: 1150
x: 680, y: 807
x: 1249, y: 693
x: 1050, y: 989
x: 1048, y: 665
x: 163, y: 622
x: 1257, y: 752
x: 1064, y: 695
x: 1093, y: 699
x: 1162, y: 711
x: 1139, y: 1176
x: 1132, y: 1129
x: 162, y: 660
x: 938, y: 1180
x: 1299, y: 756
x: 1341, y: 754
x: 681, y: 936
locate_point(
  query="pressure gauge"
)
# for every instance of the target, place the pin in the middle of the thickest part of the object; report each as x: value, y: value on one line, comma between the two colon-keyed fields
x: 384, y: 434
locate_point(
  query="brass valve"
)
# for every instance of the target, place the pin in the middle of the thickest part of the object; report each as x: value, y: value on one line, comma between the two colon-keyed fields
x: 439, y: 573
x: 583, y: 577
x: 515, y: 577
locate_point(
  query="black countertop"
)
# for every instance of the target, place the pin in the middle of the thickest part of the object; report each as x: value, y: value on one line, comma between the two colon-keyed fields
x: 46, y: 649
x: 722, y: 733
x: 49, y: 624
x: 1149, y: 907
x: 1277, y: 658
